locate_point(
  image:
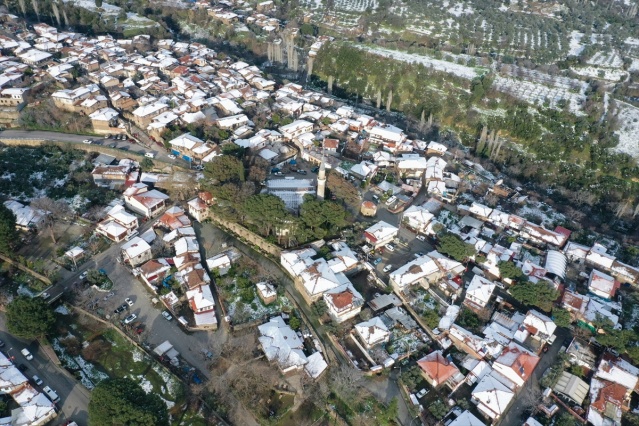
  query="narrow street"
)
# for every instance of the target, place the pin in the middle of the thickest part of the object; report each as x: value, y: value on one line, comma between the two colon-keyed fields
x: 74, y: 398
x: 514, y: 415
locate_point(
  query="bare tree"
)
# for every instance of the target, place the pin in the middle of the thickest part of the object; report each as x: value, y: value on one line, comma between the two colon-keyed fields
x: 53, y: 210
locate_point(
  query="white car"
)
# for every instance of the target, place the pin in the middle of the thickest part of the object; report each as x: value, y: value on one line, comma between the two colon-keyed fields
x: 390, y: 247
x: 26, y: 354
x: 53, y: 396
x: 387, y: 268
x: 86, y: 141
x: 149, y: 155
x: 37, y: 380
x: 129, y: 301
x: 167, y: 316
x: 171, y: 156
x: 130, y: 319
x: 83, y: 275
x: 421, y: 393
x: 421, y: 238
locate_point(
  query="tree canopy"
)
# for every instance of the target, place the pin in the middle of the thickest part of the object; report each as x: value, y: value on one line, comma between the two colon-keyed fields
x: 8, y: 232
x: 510, y: 270
x: 541, y: 295
x: 265, y: 211
x: 561, y: 317
x: 29, y: 317
x: 322, y: 218
x: 122, y: 401
x: 455, y: 247
x: 225, y: 168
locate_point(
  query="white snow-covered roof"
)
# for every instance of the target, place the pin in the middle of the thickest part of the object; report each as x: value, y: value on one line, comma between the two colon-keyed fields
x: 372, y: 331
x: 542, y: 323
x: 619, y: 371
x: 493, y: 396
x: 281, y: 344
x: 556, y: 263
x: 382, y: 230
x: 600, y: 283
x: 316, y: 365
x: 135, y: 247
x: 466, y: 418
x: 480, y: 210
x: 480, y: 290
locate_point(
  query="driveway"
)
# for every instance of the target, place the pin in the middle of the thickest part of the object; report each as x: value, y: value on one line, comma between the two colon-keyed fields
x: 74, y: 398
x: 159, y: 152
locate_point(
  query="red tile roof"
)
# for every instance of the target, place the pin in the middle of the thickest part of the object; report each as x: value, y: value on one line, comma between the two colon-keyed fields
x: 437, y: 367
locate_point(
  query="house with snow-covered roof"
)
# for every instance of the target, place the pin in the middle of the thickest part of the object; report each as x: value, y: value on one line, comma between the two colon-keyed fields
x: 492, y: 397
x: 602, y: 285
x: 607, y: 403
x: 136, y: 251
x: 343, y: 302
x: 516, y: 364
x: 380, y: 234
x: 538, y: 326
x: 424, y: 270
x: 479, y: 293
x: 417, y: 218
x: 372, y: 332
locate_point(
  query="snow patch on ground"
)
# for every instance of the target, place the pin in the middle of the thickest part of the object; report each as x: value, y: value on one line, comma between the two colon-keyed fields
x: 575, y: 46
x: 547, y: 215
x: 610, y: 74
x: 635, y: 65
x: 628, y: 118
x: 459, y: 9
x: 606, y: 59
x: 106, y: 8
x: 462, y: 71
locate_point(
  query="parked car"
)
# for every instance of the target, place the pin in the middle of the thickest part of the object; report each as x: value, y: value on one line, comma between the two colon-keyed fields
x: 390, y: 247
x: 129, y: 301
x: 149, y: 155
x: 388, y: 268
x: 53, y: 396
x: 302, y: 172
x: 27, y: 354
x: 171, y: 156
x: 315, y: 170
x: 37, y: 380
x: 45, y: 295
x: 418, y: 254
x: 167, y: 315
x: 83, y: 275
x: 1, y: 343
x: 421, y: 238
x: 421, y: 393
x: 377, y: 261
x: 121, y: 308
x: 130, y: 319
x: 22, y: 367
x: 86, y: 141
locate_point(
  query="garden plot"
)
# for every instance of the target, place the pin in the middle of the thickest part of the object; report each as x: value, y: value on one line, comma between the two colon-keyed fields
x: 94, y: 354
x: 357, y: 6
x: 628, y: 133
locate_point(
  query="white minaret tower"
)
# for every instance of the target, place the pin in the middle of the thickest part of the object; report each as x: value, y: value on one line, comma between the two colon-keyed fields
x: 321, y: 180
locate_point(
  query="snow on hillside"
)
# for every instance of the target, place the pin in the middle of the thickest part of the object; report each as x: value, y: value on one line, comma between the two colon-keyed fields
x: 628, y: 119
x: 462, y: 71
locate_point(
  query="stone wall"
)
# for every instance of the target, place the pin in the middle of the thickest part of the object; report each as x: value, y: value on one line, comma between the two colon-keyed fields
x: 250, y: 237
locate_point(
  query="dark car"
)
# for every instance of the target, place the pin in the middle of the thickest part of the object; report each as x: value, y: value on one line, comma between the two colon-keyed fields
x: 121, y: 308
x: 315, y: 170
x: 302, y: 172
x: 1, y: 343
x: 22, y: 367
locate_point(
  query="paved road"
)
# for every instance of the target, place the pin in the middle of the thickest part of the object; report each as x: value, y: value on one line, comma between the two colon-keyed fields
x: 74, y: 398
x: 159, y: 152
